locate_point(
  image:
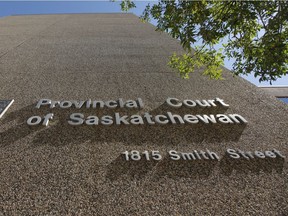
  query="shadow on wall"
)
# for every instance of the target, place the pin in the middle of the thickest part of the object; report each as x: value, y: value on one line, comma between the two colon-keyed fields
x: 192, y: 169
x: 20, y: 129
x: 242, y: 165
x: 59, y: 132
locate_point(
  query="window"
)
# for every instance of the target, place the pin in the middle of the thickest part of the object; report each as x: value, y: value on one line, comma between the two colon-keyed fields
x: 284, y: 99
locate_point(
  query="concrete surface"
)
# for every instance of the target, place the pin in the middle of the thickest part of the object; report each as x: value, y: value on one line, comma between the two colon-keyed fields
x: 66, y: 170
x: 277, y: 91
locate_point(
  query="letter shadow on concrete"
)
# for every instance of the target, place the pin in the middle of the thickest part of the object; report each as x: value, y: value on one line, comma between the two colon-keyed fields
x: 193, y: 169
x: 120, y: 167
x: 256, y: 165
x: 17, y: 126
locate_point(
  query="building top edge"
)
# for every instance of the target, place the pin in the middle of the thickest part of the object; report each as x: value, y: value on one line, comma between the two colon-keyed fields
x: 278, y: 86
x: 122, y: 13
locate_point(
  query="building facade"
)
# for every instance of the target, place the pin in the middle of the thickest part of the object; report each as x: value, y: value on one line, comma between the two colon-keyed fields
x: 101, y: 125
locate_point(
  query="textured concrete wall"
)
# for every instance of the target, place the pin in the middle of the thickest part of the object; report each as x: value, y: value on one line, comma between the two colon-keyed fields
x: 276, y: 91
x: 61, y: 169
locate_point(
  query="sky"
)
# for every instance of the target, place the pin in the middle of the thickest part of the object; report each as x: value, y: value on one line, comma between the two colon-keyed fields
x: 8, y: 8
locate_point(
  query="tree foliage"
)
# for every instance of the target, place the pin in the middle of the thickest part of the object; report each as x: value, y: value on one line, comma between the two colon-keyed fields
x: 126, y: 5
x: 255, y: 35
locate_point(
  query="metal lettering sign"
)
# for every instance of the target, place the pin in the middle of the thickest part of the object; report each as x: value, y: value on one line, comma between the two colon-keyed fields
x: 4, y: 105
